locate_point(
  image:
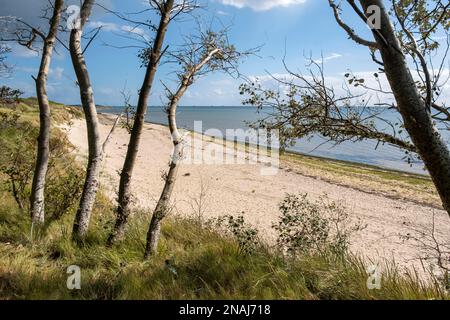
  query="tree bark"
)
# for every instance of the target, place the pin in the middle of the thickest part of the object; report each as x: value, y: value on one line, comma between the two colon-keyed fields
x: 416, y: 116
x: 162, y: 207
x: 124, y: 199
x: 37, y: 199
x: 88, y: 196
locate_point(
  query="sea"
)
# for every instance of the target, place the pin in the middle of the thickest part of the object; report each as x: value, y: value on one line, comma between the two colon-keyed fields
x: 229, y: 117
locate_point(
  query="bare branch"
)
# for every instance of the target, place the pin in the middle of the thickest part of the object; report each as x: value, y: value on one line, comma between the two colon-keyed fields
x: 351, y: 33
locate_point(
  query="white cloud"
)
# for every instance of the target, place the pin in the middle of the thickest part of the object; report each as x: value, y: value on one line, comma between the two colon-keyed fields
x: 222, y: 13
x: 27, y: 70
x: 23, y: 52
x: 337, y: 82
x: 113, y: 27
x: 138, y: 31
x: 106, y: 26
x: 218, y: 91
x: 261, y: 5
x: 328, y: 58
x: 57, y: 73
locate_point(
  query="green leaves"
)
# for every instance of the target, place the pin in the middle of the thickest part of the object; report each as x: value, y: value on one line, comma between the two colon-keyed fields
x: 245, y: 235
x: 313, y: 227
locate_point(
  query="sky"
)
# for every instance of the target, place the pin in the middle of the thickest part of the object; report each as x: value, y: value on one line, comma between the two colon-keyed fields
x: 294, y: 29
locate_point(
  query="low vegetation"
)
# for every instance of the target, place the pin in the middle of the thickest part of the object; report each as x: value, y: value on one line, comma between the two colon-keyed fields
x: 390, y: 183
x: 220, y: 259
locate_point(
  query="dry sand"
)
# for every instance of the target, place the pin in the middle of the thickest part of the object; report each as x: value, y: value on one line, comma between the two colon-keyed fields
x: 241, y: 189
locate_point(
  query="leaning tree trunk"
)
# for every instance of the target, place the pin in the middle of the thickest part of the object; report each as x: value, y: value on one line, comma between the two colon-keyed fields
x: 162, y: 207
x: 417, y: 119
x: 88, y: 196
x: 37, y: 199
x: 124, y: 199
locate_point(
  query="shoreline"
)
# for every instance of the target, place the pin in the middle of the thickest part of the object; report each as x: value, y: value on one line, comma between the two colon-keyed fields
x: 298, y: 153
x: 240, y: 189
x: 394, y: 184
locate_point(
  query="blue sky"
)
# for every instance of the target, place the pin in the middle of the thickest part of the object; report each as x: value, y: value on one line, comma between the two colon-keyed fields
x: 294, y: 28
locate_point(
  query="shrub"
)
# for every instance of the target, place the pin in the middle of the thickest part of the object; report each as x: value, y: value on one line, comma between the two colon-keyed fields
x: 307, y: 227
x: 245, y: 235
x: 62, y: 193
x: 17, y: 140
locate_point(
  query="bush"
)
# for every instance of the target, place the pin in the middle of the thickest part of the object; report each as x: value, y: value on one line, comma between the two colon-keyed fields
x: 307, y: 227
x: 17, y: 142
x: 245, y: 235
x: 63, y: 193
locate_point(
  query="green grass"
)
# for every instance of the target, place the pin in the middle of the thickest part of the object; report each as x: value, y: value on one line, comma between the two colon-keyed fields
x: 29, y: 111
x: 194, y: 262
x: 346, y: 168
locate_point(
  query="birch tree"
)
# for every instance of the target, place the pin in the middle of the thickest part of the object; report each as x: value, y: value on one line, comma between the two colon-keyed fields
x: 37, y: 199
x: 208, y: 53
x: 27, y: 35
x: 168, y: 10
x: 95, y: 156
x: 414, y: 107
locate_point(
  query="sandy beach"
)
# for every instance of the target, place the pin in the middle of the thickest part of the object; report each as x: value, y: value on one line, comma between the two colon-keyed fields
x: 241, y: 189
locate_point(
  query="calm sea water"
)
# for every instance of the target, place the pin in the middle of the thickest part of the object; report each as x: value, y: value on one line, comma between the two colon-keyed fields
x: 222, y: 118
